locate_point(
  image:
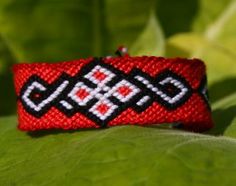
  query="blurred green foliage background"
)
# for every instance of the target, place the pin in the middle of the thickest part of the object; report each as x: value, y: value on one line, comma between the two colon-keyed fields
x: 59, y: 30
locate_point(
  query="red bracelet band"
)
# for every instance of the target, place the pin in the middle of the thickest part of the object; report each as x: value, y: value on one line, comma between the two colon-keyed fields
x: 93, y: 93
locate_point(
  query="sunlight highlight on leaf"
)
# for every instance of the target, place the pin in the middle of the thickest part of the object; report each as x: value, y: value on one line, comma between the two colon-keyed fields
x: 151, y: 41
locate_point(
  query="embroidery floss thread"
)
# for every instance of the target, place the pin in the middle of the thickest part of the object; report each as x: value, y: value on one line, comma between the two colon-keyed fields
x: 93, y: 93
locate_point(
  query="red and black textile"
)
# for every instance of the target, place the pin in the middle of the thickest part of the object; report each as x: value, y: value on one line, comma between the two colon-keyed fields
x: 100, y: 92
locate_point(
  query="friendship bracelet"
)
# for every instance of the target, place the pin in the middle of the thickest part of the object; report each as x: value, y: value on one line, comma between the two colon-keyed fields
x: 100, y: 92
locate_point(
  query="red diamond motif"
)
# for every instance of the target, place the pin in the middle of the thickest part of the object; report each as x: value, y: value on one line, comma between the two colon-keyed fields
x: 100, y: 76
x: 124, y: 90
x: 82, y: 93
x: 102, y: 108
x: 36, y: 96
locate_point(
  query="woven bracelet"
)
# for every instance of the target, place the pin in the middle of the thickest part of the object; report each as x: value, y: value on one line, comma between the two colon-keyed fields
x: 100, y: 92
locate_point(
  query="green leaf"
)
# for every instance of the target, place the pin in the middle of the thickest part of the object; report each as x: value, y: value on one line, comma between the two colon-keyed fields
x: 151, y: 41
x: 176, y: 16
x: 224, y: 115
x: 125, y: 155
x: 7, y: 96
x: 62, y: 30
x: 208, y: 12
x: 186, y: 16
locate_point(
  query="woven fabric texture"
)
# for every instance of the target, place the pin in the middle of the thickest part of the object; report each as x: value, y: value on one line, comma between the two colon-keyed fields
x: 93, y: 93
